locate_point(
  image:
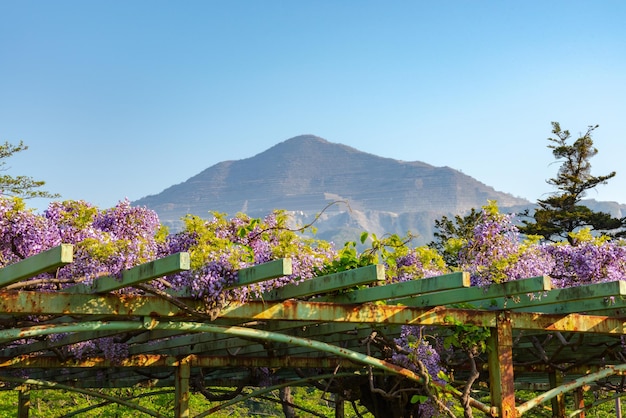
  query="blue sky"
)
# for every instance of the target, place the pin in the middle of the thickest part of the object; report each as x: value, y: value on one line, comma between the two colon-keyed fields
x: 123, y: 99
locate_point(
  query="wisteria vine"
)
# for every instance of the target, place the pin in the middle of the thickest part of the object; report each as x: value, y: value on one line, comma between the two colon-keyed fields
x: 106, y: 242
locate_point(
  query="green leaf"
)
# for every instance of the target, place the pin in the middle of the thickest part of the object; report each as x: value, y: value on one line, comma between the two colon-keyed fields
x: 418, y: 399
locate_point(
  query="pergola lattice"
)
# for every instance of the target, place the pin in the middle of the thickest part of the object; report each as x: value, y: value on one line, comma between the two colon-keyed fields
x: 552, y: 340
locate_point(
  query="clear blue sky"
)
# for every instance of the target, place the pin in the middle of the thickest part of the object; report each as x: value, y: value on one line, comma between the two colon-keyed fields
x: 122, y: 99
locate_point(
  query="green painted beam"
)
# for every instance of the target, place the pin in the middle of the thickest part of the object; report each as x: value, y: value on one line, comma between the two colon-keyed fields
x: 142, y: 273
x: 329, y: 283
x: 262, y: 272
x: 587, y: 298
x: 41, y: 263
x: 487, y: 297
x: 403, y: 289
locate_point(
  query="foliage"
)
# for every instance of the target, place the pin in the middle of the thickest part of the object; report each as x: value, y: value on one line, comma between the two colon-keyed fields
x: 22, y: 186
x: 402, y: 262
x: 452, y: 234
x: 561, y: 213
x: 467, y: 337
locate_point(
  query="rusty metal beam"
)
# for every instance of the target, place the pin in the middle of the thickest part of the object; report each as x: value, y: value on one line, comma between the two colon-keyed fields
x: 124, y: 306
x: 362, y: 313
x: 597, y: 324
x: 45, y: 362
x: 33, y: 303
x: 166, y: 360
x: 57, y: 303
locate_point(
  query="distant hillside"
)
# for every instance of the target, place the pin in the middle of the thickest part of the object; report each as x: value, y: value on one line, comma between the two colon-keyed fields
x: 303, y: 174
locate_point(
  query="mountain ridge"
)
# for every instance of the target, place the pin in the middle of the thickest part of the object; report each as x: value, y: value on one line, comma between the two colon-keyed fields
x: 303, y: 174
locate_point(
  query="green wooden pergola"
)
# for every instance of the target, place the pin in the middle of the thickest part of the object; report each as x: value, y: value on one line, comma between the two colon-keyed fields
x: 553, y: 341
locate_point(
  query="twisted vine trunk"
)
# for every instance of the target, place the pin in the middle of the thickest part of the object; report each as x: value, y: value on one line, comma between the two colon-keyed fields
x: 287, y: 401
x: 465, y: 397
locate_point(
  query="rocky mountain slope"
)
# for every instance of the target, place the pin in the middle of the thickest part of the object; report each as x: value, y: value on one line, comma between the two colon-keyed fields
x: 302, y: 175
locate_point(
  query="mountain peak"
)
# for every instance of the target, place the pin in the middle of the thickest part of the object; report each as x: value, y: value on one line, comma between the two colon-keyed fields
x: 306, y: 172
x: 306, y: 138
x: 305, y: 144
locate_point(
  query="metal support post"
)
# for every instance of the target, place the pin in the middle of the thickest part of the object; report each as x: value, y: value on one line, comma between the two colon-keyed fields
x: 339, y: 406
x: 500, y: 358
x: 558, y: 402
x: 579, y: 401
x: 181, y: 405
x: 23, y: 403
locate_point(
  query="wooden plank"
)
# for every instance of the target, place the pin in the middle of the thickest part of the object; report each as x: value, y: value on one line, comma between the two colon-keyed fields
x: 402, y: 289
x: 328, y: 283
x: 43, y: 262
x: 142, y: 273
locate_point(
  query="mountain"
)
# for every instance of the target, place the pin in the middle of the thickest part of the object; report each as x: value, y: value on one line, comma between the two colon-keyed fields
x: 302, y: 175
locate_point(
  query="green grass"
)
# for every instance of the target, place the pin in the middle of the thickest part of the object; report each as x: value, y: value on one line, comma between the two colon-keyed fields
x: 55, y: 403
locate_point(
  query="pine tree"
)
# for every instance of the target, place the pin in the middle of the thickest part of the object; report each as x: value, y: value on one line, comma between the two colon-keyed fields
x: 562, y: 213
